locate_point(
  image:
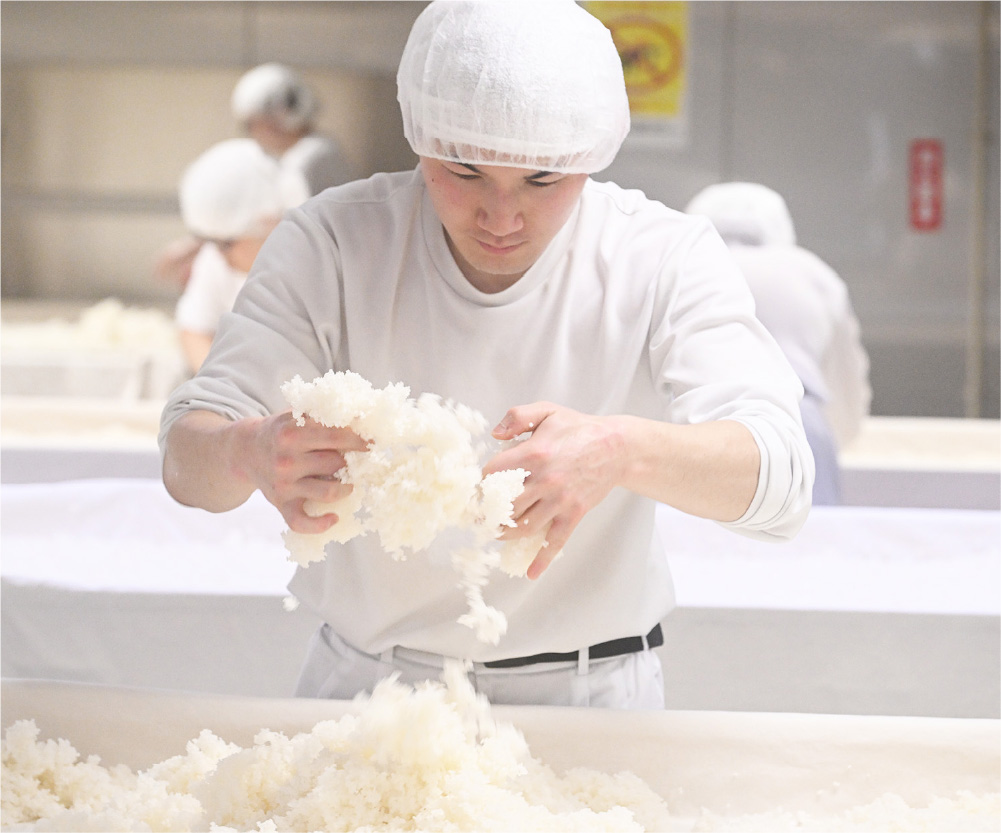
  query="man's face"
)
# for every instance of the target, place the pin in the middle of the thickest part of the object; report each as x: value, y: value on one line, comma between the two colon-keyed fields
x: 498, y: 220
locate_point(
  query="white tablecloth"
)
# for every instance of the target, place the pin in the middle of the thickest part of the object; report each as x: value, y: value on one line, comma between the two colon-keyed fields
x: 895, y: 462
x: 884, y: 611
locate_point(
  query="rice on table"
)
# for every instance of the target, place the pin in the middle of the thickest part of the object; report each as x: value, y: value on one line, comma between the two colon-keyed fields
x: 420, y: 477
x: 429, y: 758
x: 106, y: 325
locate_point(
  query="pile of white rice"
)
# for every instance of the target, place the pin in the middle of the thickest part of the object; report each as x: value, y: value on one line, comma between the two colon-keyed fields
x: 429, y: 759
x: 420, y: 478
x: 107, y: 325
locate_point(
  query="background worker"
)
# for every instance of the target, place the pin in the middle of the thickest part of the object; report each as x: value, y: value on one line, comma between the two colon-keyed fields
x: 616, y: 336
x: 805, y: 305
x: 231, y: 197
x: 276, y: 108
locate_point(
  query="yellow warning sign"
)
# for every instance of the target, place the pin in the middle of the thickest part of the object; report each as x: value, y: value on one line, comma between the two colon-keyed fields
x: 652, y: 40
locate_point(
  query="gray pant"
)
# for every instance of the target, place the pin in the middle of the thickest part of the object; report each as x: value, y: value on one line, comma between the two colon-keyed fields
x: 336, y: 670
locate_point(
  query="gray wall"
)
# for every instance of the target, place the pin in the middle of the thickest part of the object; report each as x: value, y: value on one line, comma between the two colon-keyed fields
x: 820, y: 101
x: 105, y: 103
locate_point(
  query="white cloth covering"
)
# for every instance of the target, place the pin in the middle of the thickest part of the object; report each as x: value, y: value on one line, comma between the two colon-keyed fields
x: 210, y: 292
x: 84, y: 535
x: 878, y: 611
x: 618, y: 315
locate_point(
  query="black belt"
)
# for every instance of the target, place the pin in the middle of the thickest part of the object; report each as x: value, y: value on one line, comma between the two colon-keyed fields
x: 613, y: 648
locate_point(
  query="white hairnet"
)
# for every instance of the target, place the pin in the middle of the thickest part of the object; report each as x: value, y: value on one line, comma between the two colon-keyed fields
x: 745, y: 213
x: 523, y: 84
x: 233, y: 188
x: 276, y: 91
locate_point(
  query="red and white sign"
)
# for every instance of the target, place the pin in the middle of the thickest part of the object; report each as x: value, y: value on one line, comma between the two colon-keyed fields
x: 926, y: 184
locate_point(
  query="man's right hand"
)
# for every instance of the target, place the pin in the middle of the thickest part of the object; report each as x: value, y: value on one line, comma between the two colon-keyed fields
x: 216, y: 464
x: 291, y: 464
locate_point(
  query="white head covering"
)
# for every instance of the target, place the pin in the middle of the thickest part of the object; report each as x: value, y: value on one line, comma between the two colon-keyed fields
x: 276, y: 91
x: 534, y: 85
x: 746, y: 213
x: 233, y: 188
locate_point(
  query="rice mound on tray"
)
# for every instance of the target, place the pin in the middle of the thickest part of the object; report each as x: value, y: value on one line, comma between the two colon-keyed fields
x: 420, y: 478
x: 428, y: 758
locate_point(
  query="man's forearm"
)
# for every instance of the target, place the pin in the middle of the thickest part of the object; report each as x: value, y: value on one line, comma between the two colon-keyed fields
x: 201, y: 462
x: 709, y: 469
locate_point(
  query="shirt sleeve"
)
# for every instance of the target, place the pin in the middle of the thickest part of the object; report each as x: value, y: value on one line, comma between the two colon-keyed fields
x: 715, y: 360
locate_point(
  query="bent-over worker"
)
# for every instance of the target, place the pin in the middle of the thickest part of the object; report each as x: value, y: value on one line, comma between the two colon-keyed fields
x: 805, y: 305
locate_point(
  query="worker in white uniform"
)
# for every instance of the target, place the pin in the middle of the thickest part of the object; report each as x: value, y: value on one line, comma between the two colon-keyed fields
x: 614, y: 335
x: 231, y: 197
x: 805, y: 305
x: 277, y: 109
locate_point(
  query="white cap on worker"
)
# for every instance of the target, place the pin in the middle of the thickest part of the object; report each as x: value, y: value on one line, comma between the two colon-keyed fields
x: 276, y: 91
x: 233, y: 188
x: 534, y: 85
x: 746, y: 213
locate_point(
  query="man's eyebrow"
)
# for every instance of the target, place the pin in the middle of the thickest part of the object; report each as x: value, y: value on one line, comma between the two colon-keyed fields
x: 530, y: 177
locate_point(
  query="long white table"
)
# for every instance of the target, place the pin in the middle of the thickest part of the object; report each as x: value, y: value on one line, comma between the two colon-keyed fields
x: 895, y: 462
x: 868, y: 611
x: 924, y: 462
x: 48, y: 439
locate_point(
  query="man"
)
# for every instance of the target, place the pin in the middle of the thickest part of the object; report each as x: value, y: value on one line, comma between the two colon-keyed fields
x: 805, y: 305
x: 277, y: 109
x: 231, y: 198
x: 615, y: 332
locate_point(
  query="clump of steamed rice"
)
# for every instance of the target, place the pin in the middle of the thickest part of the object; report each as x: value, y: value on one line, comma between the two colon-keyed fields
x: 420, y: 477
x: 429, y: 758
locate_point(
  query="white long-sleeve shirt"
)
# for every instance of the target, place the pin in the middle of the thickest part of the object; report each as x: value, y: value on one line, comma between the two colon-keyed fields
x: 211, y: 290
x: 632, y: 308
